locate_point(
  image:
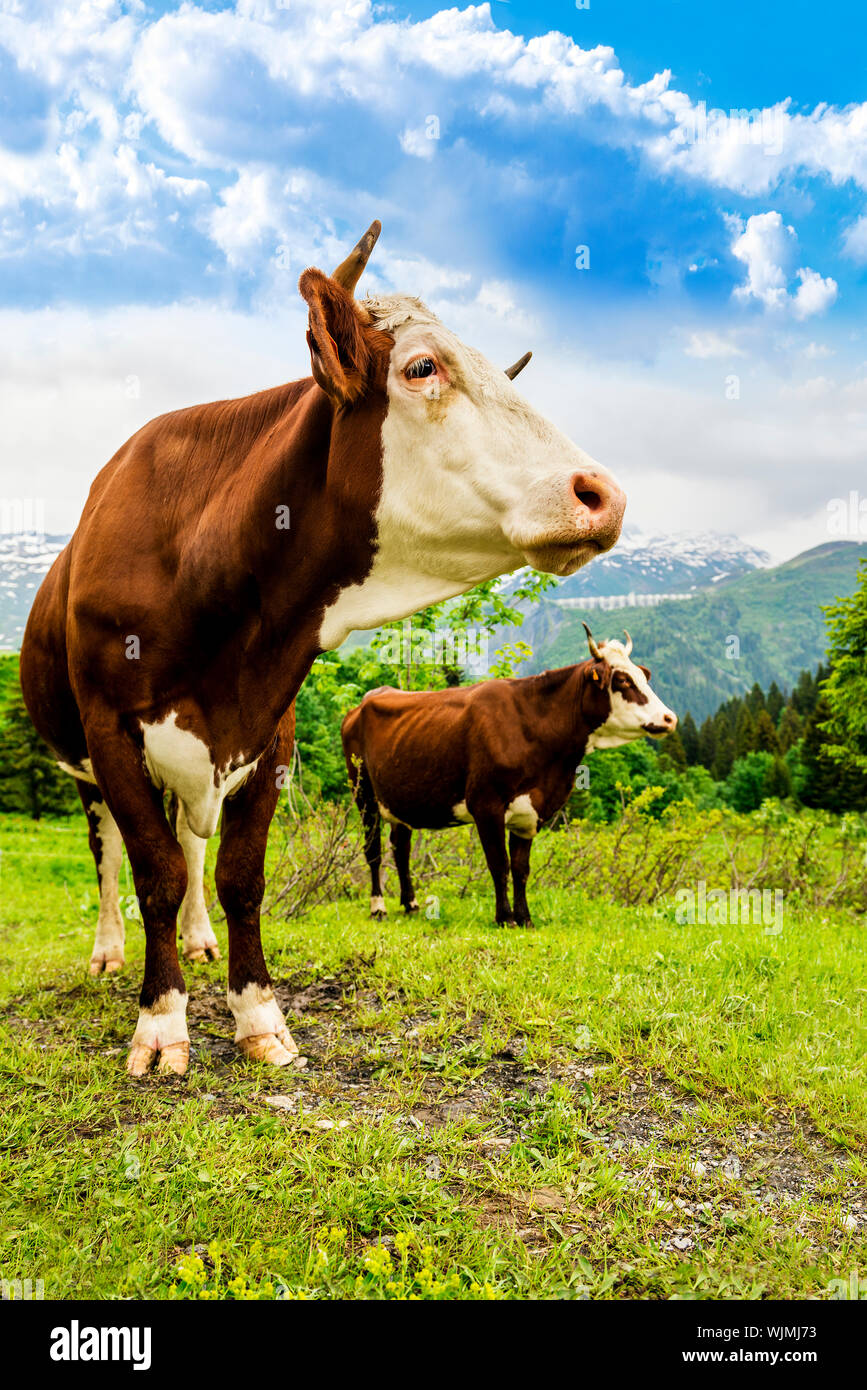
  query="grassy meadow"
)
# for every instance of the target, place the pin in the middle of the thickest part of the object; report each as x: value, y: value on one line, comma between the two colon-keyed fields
x: 613, y: 1105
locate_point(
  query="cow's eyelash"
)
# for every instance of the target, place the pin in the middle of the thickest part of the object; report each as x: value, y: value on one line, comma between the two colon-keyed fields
x: 422, y: 366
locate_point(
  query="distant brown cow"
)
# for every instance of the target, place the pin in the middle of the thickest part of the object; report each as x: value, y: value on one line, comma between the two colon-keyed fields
x: 501, y: 755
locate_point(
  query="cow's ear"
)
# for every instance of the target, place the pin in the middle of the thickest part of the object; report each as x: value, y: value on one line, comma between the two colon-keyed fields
x: 339, y: 351
x: 645, y: 672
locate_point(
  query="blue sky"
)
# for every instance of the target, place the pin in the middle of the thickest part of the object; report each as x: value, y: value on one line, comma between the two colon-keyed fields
x: 167, y: 171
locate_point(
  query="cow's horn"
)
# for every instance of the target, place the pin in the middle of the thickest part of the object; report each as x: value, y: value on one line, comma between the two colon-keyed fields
x: 594, y: 650
x: 628, y: 647
x: 516, y: 367
x: 348, y: 273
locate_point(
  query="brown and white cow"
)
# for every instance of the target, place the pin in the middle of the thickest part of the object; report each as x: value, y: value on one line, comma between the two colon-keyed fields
x: 501, y: 755
x: 225, y: 546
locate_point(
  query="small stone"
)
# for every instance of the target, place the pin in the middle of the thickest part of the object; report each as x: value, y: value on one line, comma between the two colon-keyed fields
x: 280, y: 1102
x: 731, y: 1167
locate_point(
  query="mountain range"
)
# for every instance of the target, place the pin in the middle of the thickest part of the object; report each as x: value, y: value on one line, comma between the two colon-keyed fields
x: 683, y: 598
x: 763, y: 624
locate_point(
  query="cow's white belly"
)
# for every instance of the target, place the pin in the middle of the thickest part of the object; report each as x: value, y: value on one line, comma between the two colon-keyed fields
x: 521, y: 816
x: 179, y: 761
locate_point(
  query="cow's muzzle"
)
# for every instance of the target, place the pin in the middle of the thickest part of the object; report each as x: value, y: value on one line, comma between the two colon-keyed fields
x: 565, y: 524
x: 666, y: 725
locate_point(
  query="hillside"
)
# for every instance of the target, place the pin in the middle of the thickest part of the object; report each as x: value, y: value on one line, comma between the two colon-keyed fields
x: 775, y: 614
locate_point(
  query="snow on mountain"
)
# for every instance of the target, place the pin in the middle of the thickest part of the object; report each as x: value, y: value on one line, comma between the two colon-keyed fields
x: 680, y: 562
x: 25, y: 559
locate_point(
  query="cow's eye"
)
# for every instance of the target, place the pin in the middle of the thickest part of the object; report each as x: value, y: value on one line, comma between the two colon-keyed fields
x: 422, y: 366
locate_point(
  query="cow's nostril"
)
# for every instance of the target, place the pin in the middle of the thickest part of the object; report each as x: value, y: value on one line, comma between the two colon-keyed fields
x: 591, y: 500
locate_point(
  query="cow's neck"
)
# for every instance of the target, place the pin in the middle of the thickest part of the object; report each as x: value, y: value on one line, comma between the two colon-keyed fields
x: 554, y: 700
x: 299, y: 530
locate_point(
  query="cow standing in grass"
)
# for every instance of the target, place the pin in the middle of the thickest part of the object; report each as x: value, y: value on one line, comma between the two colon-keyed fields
x: 501, y: 755
x: 219, y: 552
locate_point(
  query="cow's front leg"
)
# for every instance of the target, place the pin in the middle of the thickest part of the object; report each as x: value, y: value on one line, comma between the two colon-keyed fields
x: 160, y: 877
x: 197, y: 934
x: 491, y: 826
x: 260, y: 1028
x: 519, y: 855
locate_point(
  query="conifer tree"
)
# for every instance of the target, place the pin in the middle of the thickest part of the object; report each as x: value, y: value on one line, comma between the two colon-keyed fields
x: 775, y: 703
x: 745, y: 734
x: 766, y: 734
x: 30, y: 780
x: 689, y: 739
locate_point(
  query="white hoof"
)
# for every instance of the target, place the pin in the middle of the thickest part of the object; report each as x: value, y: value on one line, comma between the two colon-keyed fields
x: 105, y: 965
x: 161, y: 1033
x: 209, y: 952
x: 267, y: 1047
x: 261, y: 1032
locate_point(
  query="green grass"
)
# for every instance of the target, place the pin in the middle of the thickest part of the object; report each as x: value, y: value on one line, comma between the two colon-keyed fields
x: 613, y: 1105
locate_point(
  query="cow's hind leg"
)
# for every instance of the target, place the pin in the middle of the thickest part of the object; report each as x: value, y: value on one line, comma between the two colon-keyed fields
x: 106, y: 846
x: 371, y: 821
x: 197, y: 934
x: 160, y: 876
x: 401, y: 841
x: 519, y: 855
x: 260, y: 1028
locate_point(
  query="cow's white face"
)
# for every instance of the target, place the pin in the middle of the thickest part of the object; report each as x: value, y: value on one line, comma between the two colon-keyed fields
x: 475, y: 481
x: 635, y: 708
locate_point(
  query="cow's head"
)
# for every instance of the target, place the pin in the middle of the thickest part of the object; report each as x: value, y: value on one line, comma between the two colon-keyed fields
x: 475, y: 482
x: 619, y: 691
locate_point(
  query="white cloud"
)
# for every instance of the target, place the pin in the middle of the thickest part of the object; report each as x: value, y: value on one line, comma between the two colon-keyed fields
x: 767, y: 247
x: 814, y: 294
x: 711, y: 344
x: 855, y: 240
x: 227, y: 92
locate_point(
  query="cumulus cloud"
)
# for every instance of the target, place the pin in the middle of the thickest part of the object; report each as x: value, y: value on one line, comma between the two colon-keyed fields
x: 767, y: 247
x: 130, y: 97
x: 855, y: 240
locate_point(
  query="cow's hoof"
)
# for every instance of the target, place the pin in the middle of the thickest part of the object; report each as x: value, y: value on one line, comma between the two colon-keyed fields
x: 174, y: 1057
x: 267, y: 1047
x: 102, y: 965
x: 410, y: 907
x: 203, y: 953
x: 379, y: 916
x: 526, y: 922
x: 505, y: 922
